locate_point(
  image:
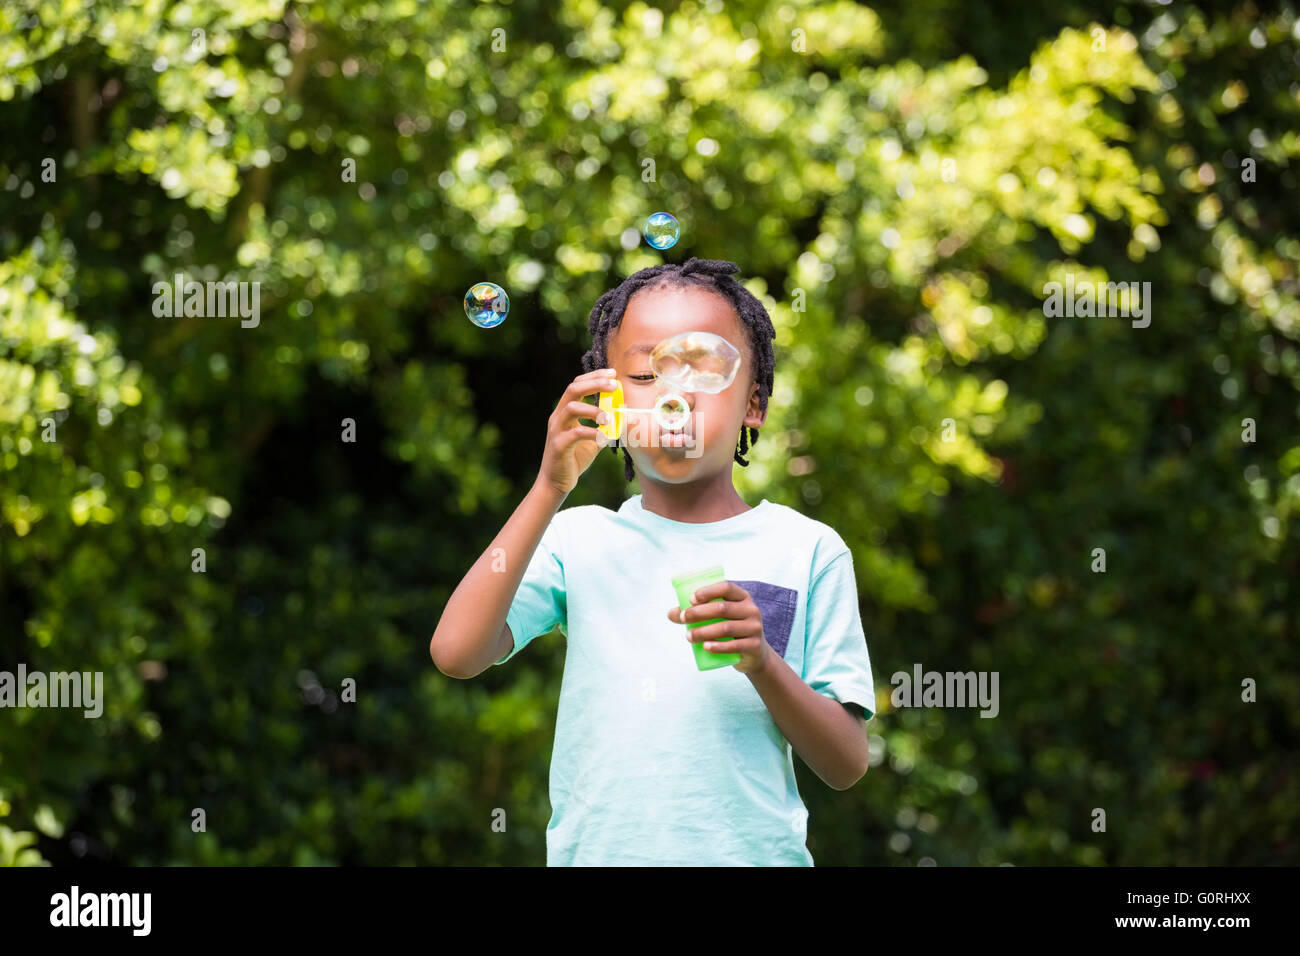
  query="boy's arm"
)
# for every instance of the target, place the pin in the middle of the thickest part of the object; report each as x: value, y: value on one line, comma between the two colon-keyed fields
x: 823, y: 710
x: 472, y: 632
x: 827, y: 735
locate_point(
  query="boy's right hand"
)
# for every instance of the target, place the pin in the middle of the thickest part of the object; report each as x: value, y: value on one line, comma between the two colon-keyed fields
x: 572, y: 447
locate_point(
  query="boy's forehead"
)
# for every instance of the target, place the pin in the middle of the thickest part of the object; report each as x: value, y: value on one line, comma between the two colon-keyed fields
x: 656, y: 314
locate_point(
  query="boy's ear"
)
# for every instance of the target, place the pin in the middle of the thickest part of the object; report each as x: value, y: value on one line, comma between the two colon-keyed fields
x: 755, y: 414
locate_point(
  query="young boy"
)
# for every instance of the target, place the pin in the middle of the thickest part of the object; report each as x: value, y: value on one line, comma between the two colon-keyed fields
x: 656, y: 762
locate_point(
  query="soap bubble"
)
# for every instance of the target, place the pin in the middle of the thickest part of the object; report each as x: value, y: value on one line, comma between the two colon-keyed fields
x: 662, y: 231
x: 696, y: 362
x: 671, y: 411
x: 487, y: 304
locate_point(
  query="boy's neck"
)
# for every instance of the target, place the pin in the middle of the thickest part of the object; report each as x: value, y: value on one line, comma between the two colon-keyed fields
x: 696, y: 502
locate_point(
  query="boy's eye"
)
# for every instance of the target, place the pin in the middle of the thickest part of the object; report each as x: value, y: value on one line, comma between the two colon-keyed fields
x: 642, y: 378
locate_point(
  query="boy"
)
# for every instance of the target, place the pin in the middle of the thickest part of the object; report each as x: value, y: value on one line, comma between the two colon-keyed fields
x: 656, y: 762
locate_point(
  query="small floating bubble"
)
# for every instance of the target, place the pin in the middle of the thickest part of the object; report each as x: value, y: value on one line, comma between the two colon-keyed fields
x: 662, y: 231
x: 487, y: 304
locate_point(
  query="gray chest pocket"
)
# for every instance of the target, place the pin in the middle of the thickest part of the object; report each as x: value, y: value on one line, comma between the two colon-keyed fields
x: 777, y: 605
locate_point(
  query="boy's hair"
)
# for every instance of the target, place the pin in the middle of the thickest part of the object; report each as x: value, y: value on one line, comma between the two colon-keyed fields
x: 713, y: 275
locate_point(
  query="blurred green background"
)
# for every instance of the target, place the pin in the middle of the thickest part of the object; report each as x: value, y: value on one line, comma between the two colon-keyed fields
x: 897, y: 182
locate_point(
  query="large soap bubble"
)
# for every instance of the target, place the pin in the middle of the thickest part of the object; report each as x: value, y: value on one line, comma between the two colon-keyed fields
x: 487, y: 304
x: 696, y: 362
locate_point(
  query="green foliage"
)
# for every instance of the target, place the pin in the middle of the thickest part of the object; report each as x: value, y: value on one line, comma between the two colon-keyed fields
x: 897, y: 184
x: 17, y: 849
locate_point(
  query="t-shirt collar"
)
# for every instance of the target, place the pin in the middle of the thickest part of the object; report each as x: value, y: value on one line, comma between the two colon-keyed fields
x: 634, y: 506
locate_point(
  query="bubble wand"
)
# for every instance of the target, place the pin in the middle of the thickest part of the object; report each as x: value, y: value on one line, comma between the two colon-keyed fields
x: 691, y: 362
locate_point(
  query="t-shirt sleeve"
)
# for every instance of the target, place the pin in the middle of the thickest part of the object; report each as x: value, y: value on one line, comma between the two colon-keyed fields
x: 539, y: 604
x: 835, y: 660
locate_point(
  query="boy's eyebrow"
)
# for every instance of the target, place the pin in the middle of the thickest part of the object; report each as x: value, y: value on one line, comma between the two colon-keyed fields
x: 638, y: 350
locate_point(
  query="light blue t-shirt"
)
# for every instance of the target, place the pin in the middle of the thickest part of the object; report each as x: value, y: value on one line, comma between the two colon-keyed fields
x: 657, y: 763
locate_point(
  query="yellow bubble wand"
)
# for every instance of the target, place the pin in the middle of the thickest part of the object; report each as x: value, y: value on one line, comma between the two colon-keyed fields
x: 690, y: 361
x: 670, y: 410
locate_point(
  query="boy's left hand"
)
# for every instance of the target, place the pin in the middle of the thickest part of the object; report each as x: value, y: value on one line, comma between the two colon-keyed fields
x: 743, y: 622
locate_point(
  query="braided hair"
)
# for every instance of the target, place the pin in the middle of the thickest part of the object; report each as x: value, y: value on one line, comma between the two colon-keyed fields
x: 710, y: 274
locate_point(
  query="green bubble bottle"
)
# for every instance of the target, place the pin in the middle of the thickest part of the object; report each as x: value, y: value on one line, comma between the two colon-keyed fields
x: 686, y: 585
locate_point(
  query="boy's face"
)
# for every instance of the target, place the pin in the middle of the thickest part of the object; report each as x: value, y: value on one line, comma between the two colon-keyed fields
x: 710, y: 441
